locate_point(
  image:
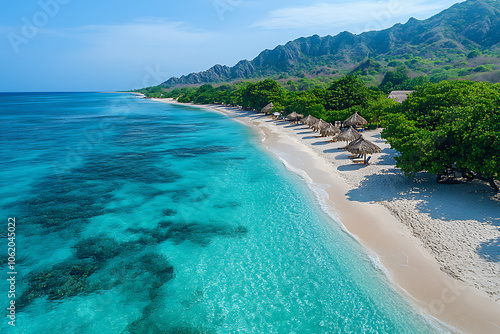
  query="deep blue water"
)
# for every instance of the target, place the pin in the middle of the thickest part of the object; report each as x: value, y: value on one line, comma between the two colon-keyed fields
x: 135, y: 216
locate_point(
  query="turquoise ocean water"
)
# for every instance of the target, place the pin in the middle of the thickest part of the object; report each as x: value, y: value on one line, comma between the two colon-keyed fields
x: 134, y: 216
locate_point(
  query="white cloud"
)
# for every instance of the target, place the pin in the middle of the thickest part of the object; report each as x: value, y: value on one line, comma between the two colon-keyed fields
x: 326, y: 15
x: 148, y: 51
x: 145, y: 35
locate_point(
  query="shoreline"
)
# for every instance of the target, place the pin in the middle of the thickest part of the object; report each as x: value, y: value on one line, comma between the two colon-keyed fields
x: 381, y: 226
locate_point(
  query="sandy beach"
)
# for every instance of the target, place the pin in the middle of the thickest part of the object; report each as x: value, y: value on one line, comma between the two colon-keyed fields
x: 438, y: 243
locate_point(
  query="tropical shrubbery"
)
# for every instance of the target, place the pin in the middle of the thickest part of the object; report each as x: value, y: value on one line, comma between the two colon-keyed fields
x: 451, y: 124
x: 336, y: 102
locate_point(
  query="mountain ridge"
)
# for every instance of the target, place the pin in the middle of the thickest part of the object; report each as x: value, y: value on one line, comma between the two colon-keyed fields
x: 464, y: 27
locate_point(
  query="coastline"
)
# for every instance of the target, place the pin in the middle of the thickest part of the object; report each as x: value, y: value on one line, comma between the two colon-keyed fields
x: 370, y: 202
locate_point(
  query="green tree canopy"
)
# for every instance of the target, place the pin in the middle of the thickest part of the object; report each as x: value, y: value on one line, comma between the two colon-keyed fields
x: 393, y: 79
x: 345, y: 93
x: 258, y: 95
x: 448, y: 124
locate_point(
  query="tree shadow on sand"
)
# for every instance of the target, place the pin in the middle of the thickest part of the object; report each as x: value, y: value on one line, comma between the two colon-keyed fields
x: 449, y: 201
x: 387, y: 158
x: 441, y: 201
x: 490, y: 250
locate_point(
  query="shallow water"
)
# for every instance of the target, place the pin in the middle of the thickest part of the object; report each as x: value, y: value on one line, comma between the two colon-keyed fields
x: 141, y: 217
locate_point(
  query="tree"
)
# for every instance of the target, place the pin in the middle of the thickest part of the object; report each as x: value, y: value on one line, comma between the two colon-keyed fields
x: 305, y: 103
x: 393, y: 79
x: 205, y: 94
x: 258, y: 95
x: 451, y: 124
x: 345, y: 93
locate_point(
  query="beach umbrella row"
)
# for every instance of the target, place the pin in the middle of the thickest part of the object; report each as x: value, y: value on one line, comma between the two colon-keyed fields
x: 358, y: 145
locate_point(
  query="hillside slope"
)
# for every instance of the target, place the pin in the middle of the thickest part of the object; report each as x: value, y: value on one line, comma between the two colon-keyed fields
x: 445, y: 39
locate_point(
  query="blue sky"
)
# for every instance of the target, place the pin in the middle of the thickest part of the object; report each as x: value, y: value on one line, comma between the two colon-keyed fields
x: 70, y: 45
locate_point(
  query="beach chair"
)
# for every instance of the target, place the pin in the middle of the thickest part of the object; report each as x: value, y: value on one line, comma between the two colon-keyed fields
x: 355, y: 156
x: 362, y: 161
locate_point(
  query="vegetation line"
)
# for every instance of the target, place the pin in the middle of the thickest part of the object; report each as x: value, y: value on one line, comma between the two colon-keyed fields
x: 446, y: 128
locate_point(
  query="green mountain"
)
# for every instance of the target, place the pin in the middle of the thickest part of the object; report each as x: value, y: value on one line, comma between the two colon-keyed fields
x: 463, y: 41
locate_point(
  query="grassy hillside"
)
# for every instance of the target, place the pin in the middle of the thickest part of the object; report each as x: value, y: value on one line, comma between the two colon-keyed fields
x: 460, y: 42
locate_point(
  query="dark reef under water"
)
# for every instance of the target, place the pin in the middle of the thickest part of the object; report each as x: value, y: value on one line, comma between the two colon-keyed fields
x: 63, y: 204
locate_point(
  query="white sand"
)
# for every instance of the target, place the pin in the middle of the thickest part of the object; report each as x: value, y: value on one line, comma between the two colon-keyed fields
x: 457, y: 224
x: 439, y: 243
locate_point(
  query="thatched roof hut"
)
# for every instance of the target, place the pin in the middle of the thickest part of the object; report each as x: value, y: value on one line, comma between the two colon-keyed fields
x: 313, y: 123
x: 364, y: 147
x: 349, y: 135
x: 330, y: 130
x: 294, y: 117
x: 320, y: 125
x: 399, y: 95
x: 309, y: 120
x: 267, y: 108
x: 355, y: 120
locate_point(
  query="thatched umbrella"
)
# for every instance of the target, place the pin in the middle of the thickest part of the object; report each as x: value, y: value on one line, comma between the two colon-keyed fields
x: 364, y: 147
x: 294, y: 117
x: 330, y: 130
x: 355, y: 120
x: 267, y: 108
x: 308, y: 120
x: 313, y: 121
x: 349, y: 135
x: 320, y: 125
